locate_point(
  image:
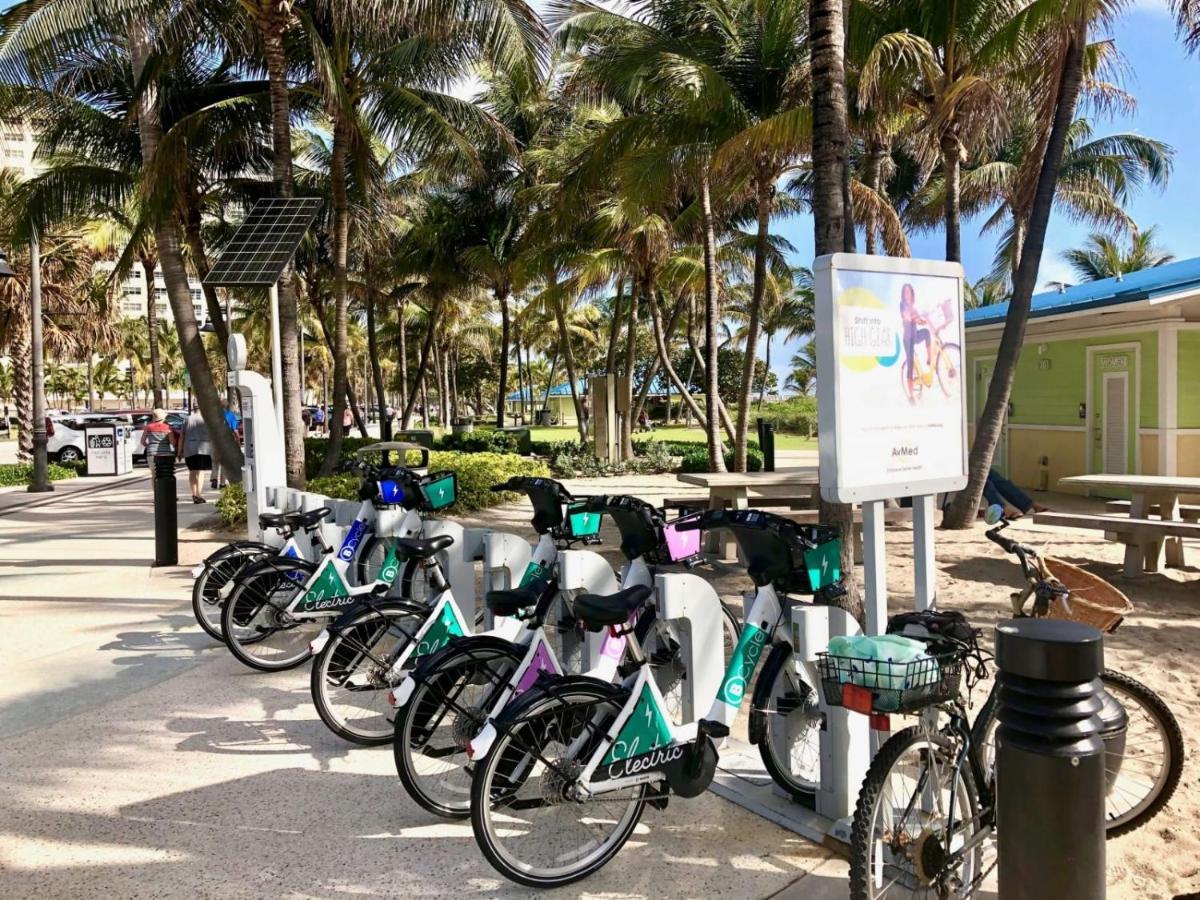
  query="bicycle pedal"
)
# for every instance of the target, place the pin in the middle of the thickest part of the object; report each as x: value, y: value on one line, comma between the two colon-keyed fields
x: 712, y: 728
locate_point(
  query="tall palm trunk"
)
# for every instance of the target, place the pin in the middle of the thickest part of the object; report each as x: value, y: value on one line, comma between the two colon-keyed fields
x: 712, y: 320
x: 194, y: 238
x: 952, y: 170
x: 961, y: 513
x: 564, y: 336
x: 614, y: 328
x: 630, y: 360
x: 505, y: 348
x: 272, y: 24
x: 170, y: 253
x: 148, y: 265
x: 831, y: 215
x: 341, y: 249
x: 385, y: 422
x: 91, y: 384
x: 662, y: 337
x: 405, y: 391
x: 423, y: 366
x: 22, y: 374
x: 754, y: 320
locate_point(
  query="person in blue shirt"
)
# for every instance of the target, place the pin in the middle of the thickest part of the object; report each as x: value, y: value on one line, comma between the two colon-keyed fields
x: 232, y: 421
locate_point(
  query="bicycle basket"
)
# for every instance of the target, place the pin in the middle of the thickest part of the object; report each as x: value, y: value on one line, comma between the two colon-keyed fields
x: 580, y: 522
x: 438, y: 489
x: 682, y: 546
x: 1092, y: 601
x: 883, y: 686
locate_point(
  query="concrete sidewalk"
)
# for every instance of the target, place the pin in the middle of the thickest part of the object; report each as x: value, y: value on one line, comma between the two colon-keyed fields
x: 141, y: 760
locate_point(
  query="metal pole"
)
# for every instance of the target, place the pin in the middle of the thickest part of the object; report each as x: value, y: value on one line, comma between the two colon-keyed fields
x: 276, y: 359
x: 924, y: 571
x: 41, y: 481
x: 874, y: 565
x: 166, y: 514
x: 1050, y: 760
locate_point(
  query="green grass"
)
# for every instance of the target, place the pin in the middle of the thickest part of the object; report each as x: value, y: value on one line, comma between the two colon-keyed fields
x: 674, y: 433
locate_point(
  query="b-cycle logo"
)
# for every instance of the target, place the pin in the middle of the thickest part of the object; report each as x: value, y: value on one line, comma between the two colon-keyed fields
x: 647, y: 762
x: 353, y: 538
x: 742, y: 665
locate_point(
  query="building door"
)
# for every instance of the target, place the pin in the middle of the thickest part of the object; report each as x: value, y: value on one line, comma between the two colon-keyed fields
x: 1114, y: 428
x: 1114, y: 419
x: 983, y: 379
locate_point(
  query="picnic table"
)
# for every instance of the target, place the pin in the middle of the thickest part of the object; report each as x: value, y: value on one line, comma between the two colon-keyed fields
x: 734, y: 490
x: 1148, y: 541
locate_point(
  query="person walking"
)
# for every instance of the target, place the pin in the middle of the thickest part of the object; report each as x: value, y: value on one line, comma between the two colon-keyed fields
x: 195, y: 449
x: 158, y: 439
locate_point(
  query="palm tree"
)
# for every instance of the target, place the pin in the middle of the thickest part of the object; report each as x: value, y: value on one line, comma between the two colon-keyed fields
x: 987, y: 291
x: 832, y: 225
x: 787, y: 309
x: 803, y: 375
x: 1102, y: 257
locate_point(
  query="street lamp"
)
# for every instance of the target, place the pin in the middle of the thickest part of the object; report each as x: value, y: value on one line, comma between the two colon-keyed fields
x: 41, y: 480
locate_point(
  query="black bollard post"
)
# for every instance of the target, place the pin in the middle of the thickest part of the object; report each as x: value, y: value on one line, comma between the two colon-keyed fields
x: 166, y: 516
x: 1050, y: 781
x: 766, y: 443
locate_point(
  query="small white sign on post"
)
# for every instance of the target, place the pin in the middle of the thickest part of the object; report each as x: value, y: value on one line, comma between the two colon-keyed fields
x: 891, y: 408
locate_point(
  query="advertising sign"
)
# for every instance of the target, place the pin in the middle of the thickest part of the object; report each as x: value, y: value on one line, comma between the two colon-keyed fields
x: 891, y: 407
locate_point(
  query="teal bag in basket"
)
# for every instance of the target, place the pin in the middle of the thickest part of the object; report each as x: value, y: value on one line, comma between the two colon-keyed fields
x: 440, y: 489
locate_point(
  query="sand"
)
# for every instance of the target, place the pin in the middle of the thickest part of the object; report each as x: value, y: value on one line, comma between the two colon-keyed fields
x: 1157, y: 644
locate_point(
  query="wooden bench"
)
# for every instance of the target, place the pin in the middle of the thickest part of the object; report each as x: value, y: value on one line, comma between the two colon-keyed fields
x: 1148, y: 534
x: 1188, y: 512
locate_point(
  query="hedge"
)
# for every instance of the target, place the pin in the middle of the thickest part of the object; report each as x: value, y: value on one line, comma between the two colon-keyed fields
x: 797, y: 415
x: 12, y: 474
x: 476, y: 472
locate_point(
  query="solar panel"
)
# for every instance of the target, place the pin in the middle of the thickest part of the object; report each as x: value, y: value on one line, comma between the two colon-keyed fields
x: 264, y: 243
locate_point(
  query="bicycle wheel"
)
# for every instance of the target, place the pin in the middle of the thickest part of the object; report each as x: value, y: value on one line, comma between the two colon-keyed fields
x: 915, y: 815
x: 525, y: 819
x: 257, y: 628
x: 349, y: 680
x: 661, y: 645
x: 785, y: 722
x: 206, y: 589
x: 1142, y: 780
x: 448, y: 708
x: 949, y: 369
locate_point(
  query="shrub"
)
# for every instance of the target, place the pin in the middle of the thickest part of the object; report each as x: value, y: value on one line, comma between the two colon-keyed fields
x: 22, y: 473
x: 314, y: 452
x: 231, y: 506
x: 797, y: 415
x: 696, y: 459
x: 481, y: 441
x: 477, y: 472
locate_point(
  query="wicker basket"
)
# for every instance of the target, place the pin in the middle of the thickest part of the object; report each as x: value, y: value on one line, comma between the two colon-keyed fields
x: 1093, y: 600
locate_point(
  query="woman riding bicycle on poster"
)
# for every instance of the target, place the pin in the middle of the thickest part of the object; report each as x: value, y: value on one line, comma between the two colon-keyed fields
x: 912, y: 319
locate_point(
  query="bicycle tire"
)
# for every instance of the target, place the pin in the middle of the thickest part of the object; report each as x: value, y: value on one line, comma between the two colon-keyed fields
x: 872, y: 792
x: 429, y: 702
x: 766, y: 716
x: 246, y: 602
x: 339, y: 651
x: 218, y: 571
x: 1155, y: 707
x: 575, y: 692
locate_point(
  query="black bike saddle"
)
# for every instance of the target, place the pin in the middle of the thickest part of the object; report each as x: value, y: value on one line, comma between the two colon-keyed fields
x: 273, y: 520
x: 422, y: 548
x: 599, y: 610
x: 509, y: 602
x: 307, y: 519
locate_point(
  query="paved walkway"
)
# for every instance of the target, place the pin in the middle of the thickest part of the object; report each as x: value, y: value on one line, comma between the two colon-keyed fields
x: 141, y: 760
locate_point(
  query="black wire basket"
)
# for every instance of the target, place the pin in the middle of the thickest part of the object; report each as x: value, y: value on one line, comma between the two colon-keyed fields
x: 882, y: 686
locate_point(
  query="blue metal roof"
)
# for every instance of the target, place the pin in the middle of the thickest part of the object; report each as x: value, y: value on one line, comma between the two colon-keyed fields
x: 559, y: 390
x: 1145, y: 284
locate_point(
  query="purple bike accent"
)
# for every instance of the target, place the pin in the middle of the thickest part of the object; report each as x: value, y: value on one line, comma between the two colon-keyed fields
x: 681, y: 544
x: 541, y: 662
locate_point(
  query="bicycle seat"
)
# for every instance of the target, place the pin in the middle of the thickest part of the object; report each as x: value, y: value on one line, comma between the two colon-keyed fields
x: 511, y: 601
x: 307, y: 519
x: 598, y: 610
x: 273, y: 520
x: 422, y: 548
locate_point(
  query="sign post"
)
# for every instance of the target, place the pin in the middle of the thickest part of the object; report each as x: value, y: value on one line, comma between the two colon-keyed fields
x: 891, y: 408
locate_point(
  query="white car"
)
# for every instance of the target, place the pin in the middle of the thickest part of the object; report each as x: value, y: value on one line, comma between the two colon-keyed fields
x: 65, y: 443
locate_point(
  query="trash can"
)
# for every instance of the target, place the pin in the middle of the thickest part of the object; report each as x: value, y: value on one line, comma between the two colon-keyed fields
x: 105, y: 451
x: 543, y: 418
x: 463, y: 425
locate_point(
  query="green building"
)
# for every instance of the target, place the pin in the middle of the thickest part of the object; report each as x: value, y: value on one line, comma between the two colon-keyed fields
x: 1108, y: 381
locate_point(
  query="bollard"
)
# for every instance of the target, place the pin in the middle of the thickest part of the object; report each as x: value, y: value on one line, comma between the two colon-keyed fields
x: 1050, y: 755
x: 766, y: 442
x: 166, y: 517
